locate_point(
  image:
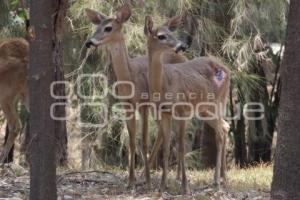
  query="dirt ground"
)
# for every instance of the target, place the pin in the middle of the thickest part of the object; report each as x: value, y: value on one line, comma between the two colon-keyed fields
x: 90, y: 185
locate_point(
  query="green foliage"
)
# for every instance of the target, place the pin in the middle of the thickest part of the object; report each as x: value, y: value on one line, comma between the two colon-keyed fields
x: 11, y: 19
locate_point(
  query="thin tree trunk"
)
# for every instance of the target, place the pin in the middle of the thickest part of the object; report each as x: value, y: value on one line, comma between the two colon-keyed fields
x: 262, y: 135
x: 240, y: 151
x: 286, y: 180
x: 46, y: 19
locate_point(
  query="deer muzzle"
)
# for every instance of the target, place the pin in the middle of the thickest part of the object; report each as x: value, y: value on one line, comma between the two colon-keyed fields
x: 92, y: 42
x: 181, y: 47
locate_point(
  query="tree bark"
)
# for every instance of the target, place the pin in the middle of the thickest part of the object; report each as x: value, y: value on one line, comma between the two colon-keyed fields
x: 46, y: 17
x: 286, y: 180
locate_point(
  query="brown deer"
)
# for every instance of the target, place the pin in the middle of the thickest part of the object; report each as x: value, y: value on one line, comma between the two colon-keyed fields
x: 14, y: 59
x: 109, y: 33
x: 203, y: 81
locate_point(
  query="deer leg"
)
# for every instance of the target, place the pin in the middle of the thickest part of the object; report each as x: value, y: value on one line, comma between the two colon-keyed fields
x: 178, y: 174
x: 131, y: 126
x: 14, y: 128
x: 225, y: 129
x: 144, y: 114
x: 224, y: 164
x: 158, y: 142
x: 10, y: 155
x: 217, y: 126
x: 166, y: 128
x: 219, y: 142
x: 181, y: 152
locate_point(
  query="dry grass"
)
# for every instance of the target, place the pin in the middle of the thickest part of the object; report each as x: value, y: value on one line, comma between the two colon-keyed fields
x: 238, y: 179
x: 257, y: 178
x: 252, y: 183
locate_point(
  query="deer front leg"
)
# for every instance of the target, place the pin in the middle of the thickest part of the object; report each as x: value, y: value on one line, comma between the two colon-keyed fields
x: 144, y: 115
x: 13, y: 126
x: 225, y: 129
x: 181, y: 152
x: 131, y: 126
x: 178, y: 123
x: 166, y: 129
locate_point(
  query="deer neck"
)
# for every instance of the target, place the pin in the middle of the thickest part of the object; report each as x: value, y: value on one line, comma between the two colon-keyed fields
x: 120, y: 62
x: 156, y: 73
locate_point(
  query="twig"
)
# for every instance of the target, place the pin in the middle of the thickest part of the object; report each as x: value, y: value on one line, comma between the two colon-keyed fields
x: 78, y: 70
x: 276, y: 74
x: 83, y: 172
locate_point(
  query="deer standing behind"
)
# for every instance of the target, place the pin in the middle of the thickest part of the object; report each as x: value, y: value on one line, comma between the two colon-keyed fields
x: 204, y: 83
x: 109, y: 33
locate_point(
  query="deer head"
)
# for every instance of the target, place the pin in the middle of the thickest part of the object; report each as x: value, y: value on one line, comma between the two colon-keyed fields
x: 162, y: 39
x: 108, y: 29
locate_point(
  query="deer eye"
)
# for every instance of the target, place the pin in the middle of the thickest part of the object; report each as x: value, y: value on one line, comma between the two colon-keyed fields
x: 161, y: 37
x: 108, y: 29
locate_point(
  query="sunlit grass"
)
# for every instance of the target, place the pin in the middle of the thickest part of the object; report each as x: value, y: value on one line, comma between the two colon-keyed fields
x: 256, y: 178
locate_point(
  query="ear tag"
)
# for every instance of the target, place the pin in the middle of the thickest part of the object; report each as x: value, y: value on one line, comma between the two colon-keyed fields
x: 219, y: 74
x: 219, y: 77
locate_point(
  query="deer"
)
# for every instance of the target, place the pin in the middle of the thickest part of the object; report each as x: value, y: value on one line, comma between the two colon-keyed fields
x: 14, y: 59
x: 203, y: 81
x: 109, y: 33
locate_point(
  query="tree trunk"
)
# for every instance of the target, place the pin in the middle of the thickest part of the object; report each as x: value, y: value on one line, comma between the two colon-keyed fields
x: 45, y: 59
x: 59, y: 90
x: 286, y: 180
x: 261, y: 136
x: 240, y: 151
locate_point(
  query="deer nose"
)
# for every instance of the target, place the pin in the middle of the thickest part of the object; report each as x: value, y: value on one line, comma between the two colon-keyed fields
x: 89, y: 43
x: 181, y: 47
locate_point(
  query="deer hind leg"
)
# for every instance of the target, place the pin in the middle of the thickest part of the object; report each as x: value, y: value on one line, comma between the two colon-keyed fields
x: 225, y: 129
x: 144, y: 113
x: 223, y: 162
x: 13, y: 126
x: 10, y: 155
x: 131, y: 126
x: 219, y: 138
x: 219, y: 142
x: 158, y: 142
x: 166, y: 129
x: 181, y: 153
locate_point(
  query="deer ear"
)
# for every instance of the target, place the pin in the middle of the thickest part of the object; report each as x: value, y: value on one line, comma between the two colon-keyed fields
x: 123, y: 13
x: 94, y: 16
x: 148, y: 29
x: 173, y: 23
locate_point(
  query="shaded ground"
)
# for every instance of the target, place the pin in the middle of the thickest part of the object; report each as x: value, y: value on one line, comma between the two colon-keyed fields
x: 252, y: 184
